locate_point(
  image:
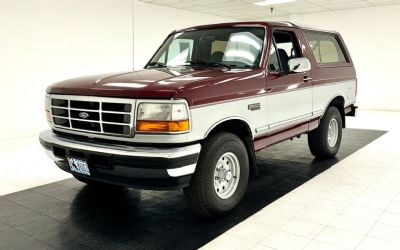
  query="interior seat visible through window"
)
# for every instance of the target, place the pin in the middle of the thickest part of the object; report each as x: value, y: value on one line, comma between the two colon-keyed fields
x: 284, y: 48
x: 284, y: 59
x: 216, y: 57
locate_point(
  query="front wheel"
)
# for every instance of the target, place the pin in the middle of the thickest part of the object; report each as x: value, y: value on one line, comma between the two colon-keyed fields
x: 324, y: 142
x: 221, y: 176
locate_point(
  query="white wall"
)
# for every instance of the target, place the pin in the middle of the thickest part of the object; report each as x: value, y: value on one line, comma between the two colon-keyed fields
x: 153, y: 23
x: 372, y: 36
x: 44, y: 41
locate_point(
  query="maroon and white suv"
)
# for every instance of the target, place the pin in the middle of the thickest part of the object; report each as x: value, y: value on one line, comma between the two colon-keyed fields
x: 209, y: 98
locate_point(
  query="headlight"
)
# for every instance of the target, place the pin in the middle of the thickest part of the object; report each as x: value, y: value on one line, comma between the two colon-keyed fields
x: 162, y: 117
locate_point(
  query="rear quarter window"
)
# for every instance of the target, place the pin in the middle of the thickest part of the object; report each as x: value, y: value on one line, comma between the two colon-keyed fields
x: 325, y: 47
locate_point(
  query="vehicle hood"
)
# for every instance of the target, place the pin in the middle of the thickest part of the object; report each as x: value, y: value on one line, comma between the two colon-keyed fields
x: 147, y: 83
x: 180, y: 82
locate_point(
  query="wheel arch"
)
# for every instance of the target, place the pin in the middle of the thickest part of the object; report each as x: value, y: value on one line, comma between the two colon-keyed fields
x: 338, y: 102
x: 241, y: 128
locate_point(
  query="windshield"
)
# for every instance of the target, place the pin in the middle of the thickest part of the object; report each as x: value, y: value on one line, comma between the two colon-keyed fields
x: 239, y: 47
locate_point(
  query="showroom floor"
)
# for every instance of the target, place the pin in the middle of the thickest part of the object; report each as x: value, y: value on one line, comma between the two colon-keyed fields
x: 353, y: 205
x: 348, y: 202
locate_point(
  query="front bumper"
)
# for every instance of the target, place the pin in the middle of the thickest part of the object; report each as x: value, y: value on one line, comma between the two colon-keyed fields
x: 140, y: 167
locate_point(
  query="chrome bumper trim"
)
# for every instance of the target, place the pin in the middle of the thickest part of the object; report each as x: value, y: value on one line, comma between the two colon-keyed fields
x: 170, y: 153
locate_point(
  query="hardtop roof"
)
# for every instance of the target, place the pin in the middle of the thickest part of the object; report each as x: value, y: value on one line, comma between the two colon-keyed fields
x: 254, y: 23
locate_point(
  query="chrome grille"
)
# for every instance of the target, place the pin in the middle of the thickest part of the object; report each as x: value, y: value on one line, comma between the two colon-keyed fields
x: 99, y: 115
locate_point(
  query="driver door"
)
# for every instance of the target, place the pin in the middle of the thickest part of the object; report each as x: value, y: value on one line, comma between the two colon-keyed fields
x: 289, y: 94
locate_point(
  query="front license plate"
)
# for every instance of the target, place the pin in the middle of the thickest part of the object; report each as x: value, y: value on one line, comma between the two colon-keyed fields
x: 78, y: 166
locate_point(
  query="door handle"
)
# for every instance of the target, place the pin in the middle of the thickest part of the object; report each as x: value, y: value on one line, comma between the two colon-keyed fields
x: 307, y: 79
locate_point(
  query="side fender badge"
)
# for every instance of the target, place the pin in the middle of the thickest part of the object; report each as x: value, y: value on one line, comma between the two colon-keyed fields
x: 254, y: 106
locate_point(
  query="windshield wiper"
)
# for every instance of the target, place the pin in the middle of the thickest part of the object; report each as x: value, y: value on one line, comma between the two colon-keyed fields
x: 219, y: 64
x: 210, y: 64
x: 157, y: 65
x: 250, y: 66
x: 197, y: 62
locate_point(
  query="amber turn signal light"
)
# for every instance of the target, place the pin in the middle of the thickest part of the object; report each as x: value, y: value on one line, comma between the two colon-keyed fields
x: 162, y: 126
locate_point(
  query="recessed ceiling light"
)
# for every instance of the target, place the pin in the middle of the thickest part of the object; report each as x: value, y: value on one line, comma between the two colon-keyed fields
x: 272, y: 2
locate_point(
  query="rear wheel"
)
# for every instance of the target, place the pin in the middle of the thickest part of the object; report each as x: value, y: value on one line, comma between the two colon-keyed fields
x: 324, y: 142
x: 221, y: 176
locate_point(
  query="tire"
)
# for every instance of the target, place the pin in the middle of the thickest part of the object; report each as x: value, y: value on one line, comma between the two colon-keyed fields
x: 202, y: 193
x: 321, y: 144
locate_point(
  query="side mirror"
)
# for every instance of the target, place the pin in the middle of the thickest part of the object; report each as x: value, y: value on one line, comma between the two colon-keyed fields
x: 299, y: 65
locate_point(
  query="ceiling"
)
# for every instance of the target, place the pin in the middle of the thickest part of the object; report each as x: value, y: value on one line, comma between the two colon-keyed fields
x: 246, y: 10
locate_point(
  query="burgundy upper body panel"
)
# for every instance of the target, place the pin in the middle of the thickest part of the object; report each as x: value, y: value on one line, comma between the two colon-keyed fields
x: 197, y: 85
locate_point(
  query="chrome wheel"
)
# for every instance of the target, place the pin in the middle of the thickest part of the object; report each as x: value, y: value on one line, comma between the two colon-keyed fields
x: 333, y: 132
x: 226, y: 175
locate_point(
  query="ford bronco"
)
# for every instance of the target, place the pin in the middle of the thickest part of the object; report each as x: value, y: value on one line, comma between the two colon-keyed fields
x: 208, y: 99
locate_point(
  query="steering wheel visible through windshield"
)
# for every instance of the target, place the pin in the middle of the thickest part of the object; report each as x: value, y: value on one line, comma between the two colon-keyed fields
x: 234, y: 47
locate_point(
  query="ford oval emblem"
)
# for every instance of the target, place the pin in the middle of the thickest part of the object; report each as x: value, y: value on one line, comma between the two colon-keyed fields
x: 83, y: 115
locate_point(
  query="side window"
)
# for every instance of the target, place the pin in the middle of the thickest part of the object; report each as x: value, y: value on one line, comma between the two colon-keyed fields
x: 179, y: 52
x: 285, y: 48
x: 325, y: 47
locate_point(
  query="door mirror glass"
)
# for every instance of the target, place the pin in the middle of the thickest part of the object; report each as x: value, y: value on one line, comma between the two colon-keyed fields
x: 299, y: 65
